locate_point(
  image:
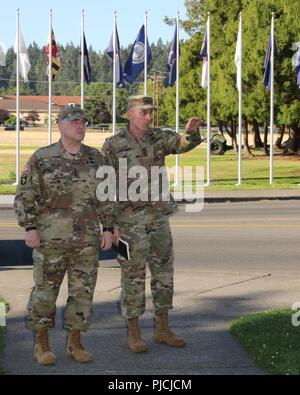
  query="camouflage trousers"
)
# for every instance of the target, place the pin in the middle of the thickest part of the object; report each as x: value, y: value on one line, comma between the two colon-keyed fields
x: 51, y: 263
x: 150, y: 242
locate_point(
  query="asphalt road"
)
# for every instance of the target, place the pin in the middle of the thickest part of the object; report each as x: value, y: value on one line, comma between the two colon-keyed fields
x: 241, y: 237
x: 252, y: 237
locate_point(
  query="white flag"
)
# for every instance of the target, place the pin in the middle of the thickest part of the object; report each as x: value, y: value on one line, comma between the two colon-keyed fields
x: 237, y: 58
x: 204, y: 76
x: 2, y: 55
x: 24, y: 59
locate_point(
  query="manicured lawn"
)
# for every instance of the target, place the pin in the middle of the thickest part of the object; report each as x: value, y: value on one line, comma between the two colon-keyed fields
x: 255, y: 171
x: 224, y: 169
x: 271, y: 339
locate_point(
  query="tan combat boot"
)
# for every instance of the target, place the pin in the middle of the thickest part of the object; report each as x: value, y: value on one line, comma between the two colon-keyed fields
x: 75, y: 349
x: 42, y: 352
x: 135, y: 341
x: 163, y: 333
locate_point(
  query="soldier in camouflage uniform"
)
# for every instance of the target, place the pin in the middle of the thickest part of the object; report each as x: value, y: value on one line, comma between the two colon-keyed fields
x: 145, y: 224
x: 56, y: 204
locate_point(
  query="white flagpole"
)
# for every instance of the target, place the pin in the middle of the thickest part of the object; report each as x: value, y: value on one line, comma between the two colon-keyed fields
x: 145, y: 54
x: 272, y: 100
x: 50, y: 81
x: 208, y: 101
x: 18, y: 101
x: 82, y: 60
x: 177, y: 99
x: 240, y: 106
x: 114, y: 72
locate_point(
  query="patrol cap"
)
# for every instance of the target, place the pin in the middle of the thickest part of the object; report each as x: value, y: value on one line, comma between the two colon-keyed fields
x: 141, y: 102
x: 71, y: 113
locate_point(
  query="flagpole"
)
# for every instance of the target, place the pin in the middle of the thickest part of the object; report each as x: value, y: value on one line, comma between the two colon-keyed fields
x: 272, y: 100
x: 114, y: 72
x: 50, y: 80
x: 208, y: 102
x: 146, y: 54
x: 177, y: 98
x: 18, y: 100
x: 82, y: 60
x: 240, y: 106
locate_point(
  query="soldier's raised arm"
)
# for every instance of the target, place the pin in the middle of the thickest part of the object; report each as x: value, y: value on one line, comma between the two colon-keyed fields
x: 178, y: 144
x: 28, y: 194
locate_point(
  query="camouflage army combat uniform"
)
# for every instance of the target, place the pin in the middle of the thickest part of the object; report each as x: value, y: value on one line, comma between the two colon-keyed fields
x: 145, y: 224
x: 57, y: 196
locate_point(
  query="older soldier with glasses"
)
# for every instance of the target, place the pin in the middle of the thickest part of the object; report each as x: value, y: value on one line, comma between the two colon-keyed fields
x: 145, y: 224
x: 56, y: 204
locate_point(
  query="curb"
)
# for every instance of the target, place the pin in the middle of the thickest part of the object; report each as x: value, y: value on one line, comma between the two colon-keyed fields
x: 236, y: 199
x: 224, y: 199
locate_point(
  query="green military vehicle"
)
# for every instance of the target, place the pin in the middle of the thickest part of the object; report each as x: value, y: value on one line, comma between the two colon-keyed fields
x: 218, y: 144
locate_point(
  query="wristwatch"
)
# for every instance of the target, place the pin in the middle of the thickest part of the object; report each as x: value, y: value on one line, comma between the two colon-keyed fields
x: 30, y: 228
x: 108, y: 230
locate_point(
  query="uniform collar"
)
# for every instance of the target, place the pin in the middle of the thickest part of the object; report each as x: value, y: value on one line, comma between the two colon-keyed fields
x: 131, y: 137
x: 64, y: 153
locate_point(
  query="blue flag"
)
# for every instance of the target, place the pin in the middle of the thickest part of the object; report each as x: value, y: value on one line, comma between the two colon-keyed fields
x: 87, y: 66
x: 110, y: 52
x: 136, y: 58
x: 267, y: 64
x: 172, y: 61
x: 204, y: 57
x: 297, y: 65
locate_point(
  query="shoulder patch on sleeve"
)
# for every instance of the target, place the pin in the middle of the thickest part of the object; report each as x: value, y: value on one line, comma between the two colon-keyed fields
x: 24, y: 179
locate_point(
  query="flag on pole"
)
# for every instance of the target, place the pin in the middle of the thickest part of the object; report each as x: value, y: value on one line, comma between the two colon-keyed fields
x: 267, y: 63
x: 297, y: 65
x: 267, y: 66
x: 23, y: 56
x: 110, y: 52
x: 204, y: 57
x: 136, y: 59
x: 87, y: 66
x: 237, y: 58
x: 172, y: 59
x: 55, y: 56
x: 2, y: 55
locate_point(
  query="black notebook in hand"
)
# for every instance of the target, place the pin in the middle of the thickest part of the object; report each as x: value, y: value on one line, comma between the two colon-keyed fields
x: 122, y: 249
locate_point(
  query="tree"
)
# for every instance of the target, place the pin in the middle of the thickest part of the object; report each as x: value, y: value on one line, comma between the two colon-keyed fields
x: 33, y: 116
x: 256, y: 30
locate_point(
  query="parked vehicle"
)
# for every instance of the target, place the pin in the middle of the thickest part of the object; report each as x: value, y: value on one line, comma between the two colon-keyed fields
x: 13, y: 127
x: 218, y: 144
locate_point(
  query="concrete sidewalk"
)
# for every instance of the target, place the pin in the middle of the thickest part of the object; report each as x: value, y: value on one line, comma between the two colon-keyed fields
x: 218, y: 196
x: 204, y: 304
x: 202, y: 320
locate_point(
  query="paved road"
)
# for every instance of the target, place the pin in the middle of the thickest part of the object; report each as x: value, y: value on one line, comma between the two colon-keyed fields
x: 240, y: 237
x: 224, y: 256
x: 255, y: 237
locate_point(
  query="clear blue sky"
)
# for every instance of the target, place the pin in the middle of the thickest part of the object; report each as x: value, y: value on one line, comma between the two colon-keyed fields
x: 34, y: 16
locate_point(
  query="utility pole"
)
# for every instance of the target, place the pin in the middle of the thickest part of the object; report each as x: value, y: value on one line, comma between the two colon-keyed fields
x: 157, y: 78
